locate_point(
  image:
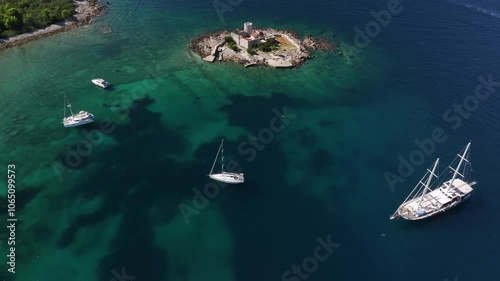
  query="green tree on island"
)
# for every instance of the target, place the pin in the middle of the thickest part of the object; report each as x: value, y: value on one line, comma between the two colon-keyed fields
x: 252, y: 51
x: 229, y: 40
x: 12, y: 18
x: 270, y: 45
x: 20, y: 16
x: 231, y: 43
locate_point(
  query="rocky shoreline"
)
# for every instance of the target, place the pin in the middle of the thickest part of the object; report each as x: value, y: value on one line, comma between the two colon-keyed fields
x: 297, y: 53
x: 86, y: 11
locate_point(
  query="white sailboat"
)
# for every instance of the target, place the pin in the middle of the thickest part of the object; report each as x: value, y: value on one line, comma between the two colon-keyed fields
x: 81, y: 118
x: 424, y: 201
x: 226, y: 177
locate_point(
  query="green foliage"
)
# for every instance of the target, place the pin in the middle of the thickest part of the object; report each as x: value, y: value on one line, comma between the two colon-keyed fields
x: 28, y: 18
x: 65, y: 14
x: 270, y: 45
x: 12, y: 18
x: 229, y: 40
x: 233, y: 47
x: 17, y: 16
x: 44, y: 18
x: 252, y: 51
x: 231, y: 43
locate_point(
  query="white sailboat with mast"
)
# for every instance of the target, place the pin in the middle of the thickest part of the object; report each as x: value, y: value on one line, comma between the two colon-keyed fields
x: 81, y: 118
x: 226, y: 177
x: 424, y: 201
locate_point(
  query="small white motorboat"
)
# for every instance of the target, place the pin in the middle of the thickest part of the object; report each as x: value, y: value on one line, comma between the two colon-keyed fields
x: 100, y: 83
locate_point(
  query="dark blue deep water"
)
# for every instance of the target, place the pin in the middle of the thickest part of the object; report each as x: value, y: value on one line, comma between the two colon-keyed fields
x: 93, y: 203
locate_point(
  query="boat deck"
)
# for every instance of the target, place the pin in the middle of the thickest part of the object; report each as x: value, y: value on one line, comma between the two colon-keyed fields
x: 462, y: 186
x: 435, y: 200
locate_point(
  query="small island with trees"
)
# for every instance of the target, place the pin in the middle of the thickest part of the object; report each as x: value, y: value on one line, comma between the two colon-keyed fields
x: 24, y: 20
x: 256, y: 46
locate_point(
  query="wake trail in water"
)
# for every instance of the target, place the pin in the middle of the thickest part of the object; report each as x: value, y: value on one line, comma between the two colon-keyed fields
x: 478, y: 8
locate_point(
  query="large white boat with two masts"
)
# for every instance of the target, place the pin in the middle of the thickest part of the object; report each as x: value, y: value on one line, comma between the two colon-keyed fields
x: 81, y: 118
x: 425, y: 201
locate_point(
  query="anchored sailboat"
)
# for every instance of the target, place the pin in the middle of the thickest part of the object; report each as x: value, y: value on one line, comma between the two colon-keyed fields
x: 226, y: 177
x: 424, y: 201
x: 81, y: 118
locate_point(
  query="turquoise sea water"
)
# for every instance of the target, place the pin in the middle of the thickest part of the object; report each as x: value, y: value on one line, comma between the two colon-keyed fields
x: 97, y: 199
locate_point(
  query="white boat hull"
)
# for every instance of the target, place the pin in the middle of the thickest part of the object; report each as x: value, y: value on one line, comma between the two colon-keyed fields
x: 408, y: 215
x: 230, y: 178
x: 100, y: 83
x: 79, y: 119
x: 75, y: 124
x: 427, y: 215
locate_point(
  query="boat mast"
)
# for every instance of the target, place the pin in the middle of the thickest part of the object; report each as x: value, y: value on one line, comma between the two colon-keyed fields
x: 415, y: 194
x: 64, y: 106
x: 432, y: 174
x: 69, y: 104
x: 459, y: 165
x: 426, y: 185
x: 70, y: 110
x: 222, y: 153
x: 217, y: 156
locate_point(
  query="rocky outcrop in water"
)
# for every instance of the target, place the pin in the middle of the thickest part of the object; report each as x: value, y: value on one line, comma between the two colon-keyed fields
x: 319, y: 44
x: 203, y: 45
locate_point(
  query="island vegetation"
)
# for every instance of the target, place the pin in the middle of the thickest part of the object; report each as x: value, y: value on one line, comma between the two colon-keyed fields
x: 21, y: 16
x: 22, y: 21
x: 231, y: 44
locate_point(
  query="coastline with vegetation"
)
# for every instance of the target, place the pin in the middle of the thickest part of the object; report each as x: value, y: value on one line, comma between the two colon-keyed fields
x: 24, y: 21
x: 275, y: 48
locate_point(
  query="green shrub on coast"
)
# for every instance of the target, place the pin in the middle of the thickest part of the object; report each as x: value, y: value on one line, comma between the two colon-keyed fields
x: 270, y: 45
x: 231, y: 44
x: 233, y: 47
x: 229, y: 40
x: 20, y: 16
x: 252, y: 51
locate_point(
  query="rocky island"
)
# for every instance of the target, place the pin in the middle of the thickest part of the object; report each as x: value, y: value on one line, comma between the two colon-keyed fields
x: 257, y: 46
